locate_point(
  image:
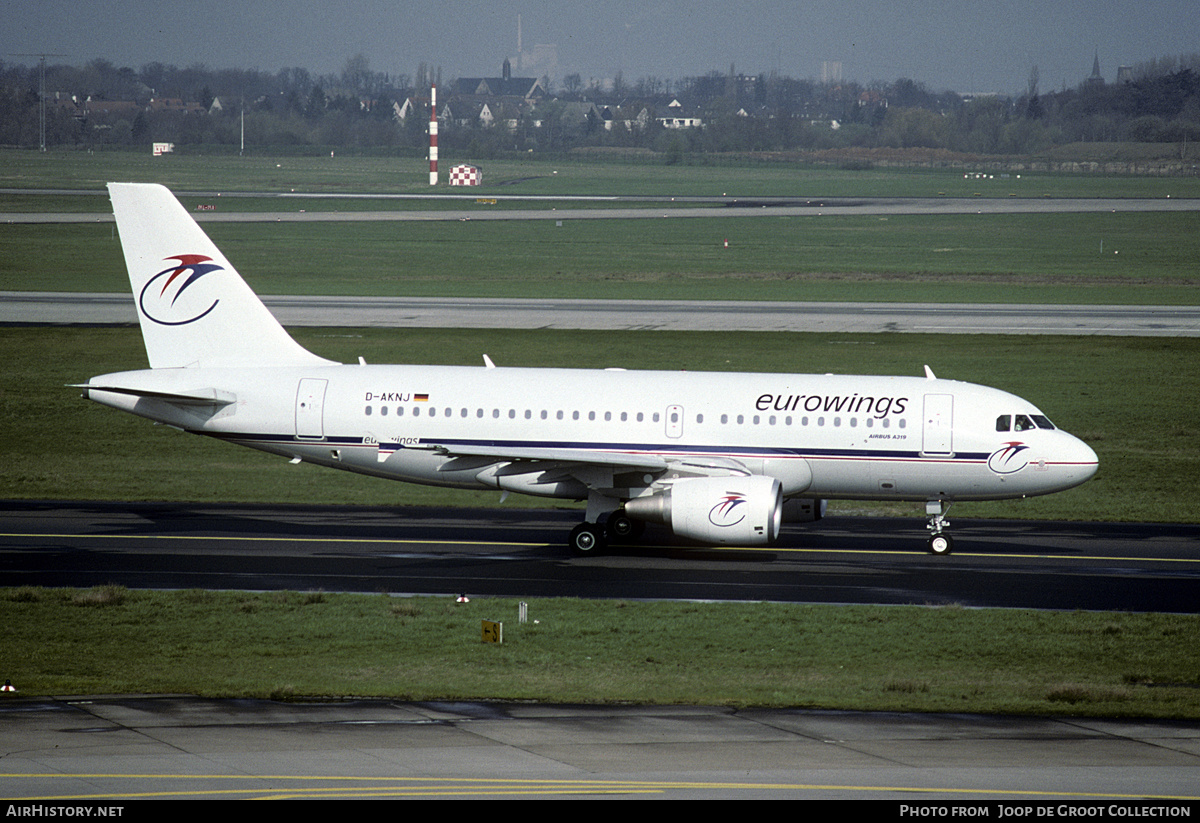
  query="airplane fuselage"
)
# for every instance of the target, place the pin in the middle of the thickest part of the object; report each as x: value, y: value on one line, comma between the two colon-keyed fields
x: 821, y: 436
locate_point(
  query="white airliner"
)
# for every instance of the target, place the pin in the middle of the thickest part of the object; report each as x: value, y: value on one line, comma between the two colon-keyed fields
x: 719, y: 458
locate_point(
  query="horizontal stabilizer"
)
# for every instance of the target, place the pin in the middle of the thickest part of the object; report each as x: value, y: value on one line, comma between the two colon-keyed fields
x: 199, y: 397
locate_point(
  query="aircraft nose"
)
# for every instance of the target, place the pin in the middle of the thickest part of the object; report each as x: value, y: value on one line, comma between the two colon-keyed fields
x: 1080, y: 459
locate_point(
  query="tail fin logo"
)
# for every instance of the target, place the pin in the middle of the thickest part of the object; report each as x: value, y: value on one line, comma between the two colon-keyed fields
x: 162, y: 291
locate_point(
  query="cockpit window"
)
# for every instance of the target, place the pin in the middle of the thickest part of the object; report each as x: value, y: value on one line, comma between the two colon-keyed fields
x: 1022, y: 422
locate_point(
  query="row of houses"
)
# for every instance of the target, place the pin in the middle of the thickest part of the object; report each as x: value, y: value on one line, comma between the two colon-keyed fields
x: 507, y: 101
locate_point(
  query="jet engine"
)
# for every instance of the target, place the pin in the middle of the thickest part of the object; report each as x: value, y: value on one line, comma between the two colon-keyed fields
x: 741, y: 510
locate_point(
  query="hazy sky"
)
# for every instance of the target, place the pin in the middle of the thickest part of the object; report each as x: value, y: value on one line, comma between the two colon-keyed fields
x: 963, y: 45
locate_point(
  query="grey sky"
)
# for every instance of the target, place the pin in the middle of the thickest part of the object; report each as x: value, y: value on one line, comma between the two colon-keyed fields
x: 963, y: 45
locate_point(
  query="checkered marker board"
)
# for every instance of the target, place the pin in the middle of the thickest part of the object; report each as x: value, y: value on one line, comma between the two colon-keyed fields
x: 465, y: 176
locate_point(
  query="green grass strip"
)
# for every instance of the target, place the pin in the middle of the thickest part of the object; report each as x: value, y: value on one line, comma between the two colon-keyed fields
x: 302, y: 645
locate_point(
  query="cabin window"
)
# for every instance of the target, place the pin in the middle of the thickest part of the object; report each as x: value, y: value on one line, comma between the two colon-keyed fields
x: 740, y: 419
x: 528, y: 414
x: 368, y: 411
x: 545, y: 414
x: 699, y: 418
x: 560, y: 414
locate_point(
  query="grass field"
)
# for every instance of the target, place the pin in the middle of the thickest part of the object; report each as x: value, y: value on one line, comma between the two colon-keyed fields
x: 1076, y: 258
x: 1079, y: 258
x: 193, y: 170
x: 288, y: 645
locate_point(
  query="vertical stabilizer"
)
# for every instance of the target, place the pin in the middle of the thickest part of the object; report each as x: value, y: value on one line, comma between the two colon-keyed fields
x: 193, y: 306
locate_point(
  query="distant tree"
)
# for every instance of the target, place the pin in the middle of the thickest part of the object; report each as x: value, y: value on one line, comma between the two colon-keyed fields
x: 356, y: 74
x: 317, y: 102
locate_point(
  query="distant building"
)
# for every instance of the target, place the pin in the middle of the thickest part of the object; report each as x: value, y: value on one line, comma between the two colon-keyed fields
x: 520, y: 88
x: 675, y: 116
x: 1097, y: 79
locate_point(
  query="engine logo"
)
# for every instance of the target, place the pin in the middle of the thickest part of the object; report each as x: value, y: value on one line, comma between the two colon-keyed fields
x: 729, y: 511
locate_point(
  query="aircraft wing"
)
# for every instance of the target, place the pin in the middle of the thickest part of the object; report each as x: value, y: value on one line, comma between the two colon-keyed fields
x: 616, y: 460
x: 583, y: 463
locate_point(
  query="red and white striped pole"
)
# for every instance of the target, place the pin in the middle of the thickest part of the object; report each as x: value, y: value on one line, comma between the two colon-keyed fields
x: 433, y: 135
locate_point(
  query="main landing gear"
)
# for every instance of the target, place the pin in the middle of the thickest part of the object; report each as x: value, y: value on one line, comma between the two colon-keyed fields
x: 939, y: 542
x: 591, y: 538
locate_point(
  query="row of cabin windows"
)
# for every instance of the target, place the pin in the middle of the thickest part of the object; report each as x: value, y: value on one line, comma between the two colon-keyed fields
x: 432, y: 411
x: 639, y: 417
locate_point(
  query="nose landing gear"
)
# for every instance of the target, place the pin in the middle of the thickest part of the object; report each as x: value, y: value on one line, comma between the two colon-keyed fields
x: 940, y: 543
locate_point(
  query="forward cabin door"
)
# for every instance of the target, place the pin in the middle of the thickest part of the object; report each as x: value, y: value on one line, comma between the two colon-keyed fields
x: 937, y: 433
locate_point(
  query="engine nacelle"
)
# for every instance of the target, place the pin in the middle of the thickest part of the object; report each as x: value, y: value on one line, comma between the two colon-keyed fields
x: 741, y: 510
x: 803, y: 509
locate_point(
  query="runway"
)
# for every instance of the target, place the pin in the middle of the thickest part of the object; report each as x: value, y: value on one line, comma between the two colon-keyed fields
x: 58, y: 308
x: 522, y: 553
x: 649, y: 208
x: 113, y: 750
